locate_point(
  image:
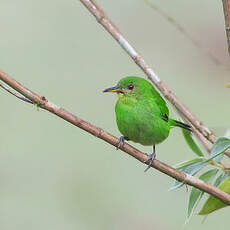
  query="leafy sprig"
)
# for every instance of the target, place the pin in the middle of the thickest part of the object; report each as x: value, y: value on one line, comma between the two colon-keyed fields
x: 219, y: 175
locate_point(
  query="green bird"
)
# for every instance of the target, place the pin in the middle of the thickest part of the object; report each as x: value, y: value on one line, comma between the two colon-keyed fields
x: 142, y: 114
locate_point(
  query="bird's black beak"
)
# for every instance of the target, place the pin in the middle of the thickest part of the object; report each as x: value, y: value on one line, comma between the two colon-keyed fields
x: 115, y: 89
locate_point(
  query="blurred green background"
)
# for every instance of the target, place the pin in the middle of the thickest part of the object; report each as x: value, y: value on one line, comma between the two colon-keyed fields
x: 55, y: 176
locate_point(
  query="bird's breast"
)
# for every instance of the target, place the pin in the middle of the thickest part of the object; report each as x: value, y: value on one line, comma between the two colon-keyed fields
x: 139, y: 123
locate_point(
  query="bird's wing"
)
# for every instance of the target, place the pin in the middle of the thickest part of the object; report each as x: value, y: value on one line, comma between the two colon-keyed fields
x: 164, y: 111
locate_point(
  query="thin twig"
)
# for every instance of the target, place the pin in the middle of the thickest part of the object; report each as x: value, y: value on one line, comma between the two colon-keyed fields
x: 16, y: 95
x: 104, y: 20
x: 226, y: 7
x: 109, y: 138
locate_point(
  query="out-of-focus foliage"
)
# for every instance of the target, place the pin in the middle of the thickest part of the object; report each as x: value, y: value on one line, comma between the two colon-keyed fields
x: 213, y: 204
x: 193, y: 166
x: 192, y: 144
x: 196, y: 194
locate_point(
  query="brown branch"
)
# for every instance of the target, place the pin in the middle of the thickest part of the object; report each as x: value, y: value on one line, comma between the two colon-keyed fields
x: 208, y: 146
x: 102, y: 134
x: 16, y: 95
x: 226, y: 7
x: 103, y: 19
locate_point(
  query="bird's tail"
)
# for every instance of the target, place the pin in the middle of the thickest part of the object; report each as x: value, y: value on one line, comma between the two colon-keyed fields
x: 181, y: 125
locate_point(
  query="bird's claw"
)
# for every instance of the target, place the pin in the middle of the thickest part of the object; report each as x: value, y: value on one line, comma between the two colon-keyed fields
x: 121, y: 142
x: 151, y: 157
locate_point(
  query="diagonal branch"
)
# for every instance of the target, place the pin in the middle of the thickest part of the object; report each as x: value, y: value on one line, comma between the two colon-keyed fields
x: 96, y: 10
x: 109, y: 138
x: 226, y: 7
x: 16, y: 95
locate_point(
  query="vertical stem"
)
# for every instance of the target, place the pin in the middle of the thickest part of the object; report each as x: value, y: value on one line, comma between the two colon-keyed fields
x: 226, y: 7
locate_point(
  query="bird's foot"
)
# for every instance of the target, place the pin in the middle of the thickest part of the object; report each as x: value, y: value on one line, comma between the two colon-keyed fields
x: 121, y: 142
x: 151, y: 157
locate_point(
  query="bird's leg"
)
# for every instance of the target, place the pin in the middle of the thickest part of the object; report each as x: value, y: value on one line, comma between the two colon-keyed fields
x: 151, y: 158
x: 122, y: 141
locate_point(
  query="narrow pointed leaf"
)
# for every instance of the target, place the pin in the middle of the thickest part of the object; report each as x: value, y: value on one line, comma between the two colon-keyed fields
x: 184, y: 164
x: 220, y: 179
x: 197, y: 194
x: 219, y: 157
x: 191, y: 143
x: 222, y: 144
x: 177, y: 184
x: 213, y: 204
x: 191, y: 170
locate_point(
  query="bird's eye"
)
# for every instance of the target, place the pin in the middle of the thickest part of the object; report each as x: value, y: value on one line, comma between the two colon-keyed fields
x: 130, y: 87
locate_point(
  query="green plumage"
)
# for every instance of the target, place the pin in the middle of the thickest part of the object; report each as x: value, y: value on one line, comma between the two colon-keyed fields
x: 141, y: 113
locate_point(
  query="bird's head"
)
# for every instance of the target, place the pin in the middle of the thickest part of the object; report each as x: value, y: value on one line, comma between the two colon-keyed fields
x: 130, y: 86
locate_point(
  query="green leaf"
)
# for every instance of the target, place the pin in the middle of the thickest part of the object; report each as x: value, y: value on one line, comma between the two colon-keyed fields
x: 220, y: 179
x: 222, y: 144
x: 184, y: 164
x: 218, y: 158
x: 191, y: 143
x: 197, y: 194
x: 177, y: 184
x: 191, y: 170
x: 213, y: 204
